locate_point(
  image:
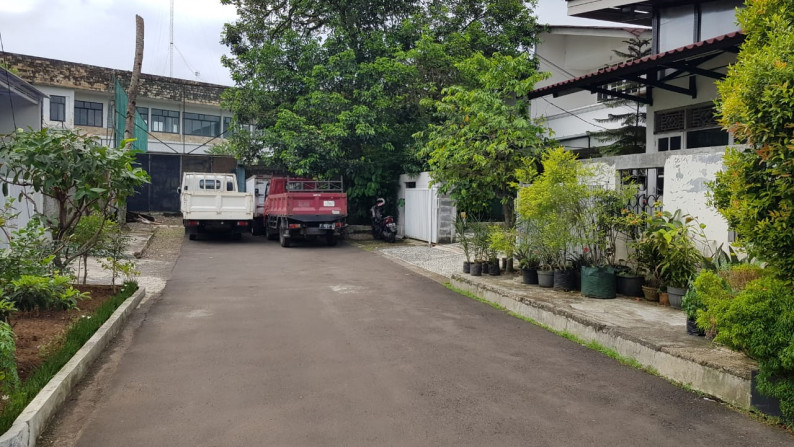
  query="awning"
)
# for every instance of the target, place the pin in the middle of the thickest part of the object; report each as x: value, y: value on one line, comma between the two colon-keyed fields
x: 650, y: 71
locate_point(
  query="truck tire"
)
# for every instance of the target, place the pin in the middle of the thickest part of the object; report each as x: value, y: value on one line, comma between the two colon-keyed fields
x: 330, y: 240
x: 284, y: 241
x: 192, y: 236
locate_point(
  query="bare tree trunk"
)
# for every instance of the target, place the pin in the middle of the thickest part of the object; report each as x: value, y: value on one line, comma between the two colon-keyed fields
x: 132, y: 91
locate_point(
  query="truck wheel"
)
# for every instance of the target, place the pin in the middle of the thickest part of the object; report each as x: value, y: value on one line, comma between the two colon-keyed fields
x: 330, y: 240
x: 237, y: 236
x: 192, y: 236
x: 271, y: 235
x: 284, y: 241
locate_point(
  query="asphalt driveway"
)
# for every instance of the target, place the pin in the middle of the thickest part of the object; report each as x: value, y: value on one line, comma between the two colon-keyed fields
x: 252, y: 344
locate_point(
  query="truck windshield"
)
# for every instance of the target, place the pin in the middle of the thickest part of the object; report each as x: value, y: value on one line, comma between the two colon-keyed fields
x: 210, y: 184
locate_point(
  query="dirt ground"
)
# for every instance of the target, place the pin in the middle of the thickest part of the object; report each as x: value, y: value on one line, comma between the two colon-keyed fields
x: 40, y: 332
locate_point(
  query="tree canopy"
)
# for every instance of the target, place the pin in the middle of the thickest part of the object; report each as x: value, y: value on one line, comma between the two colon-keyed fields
x: 755, y: 191
x: 485, y: 134
x: 335, y: 87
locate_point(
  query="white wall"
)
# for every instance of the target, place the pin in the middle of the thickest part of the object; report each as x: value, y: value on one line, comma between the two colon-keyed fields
x: 566, y: 53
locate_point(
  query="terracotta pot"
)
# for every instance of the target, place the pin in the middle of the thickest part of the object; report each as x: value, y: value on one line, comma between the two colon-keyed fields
x: 664, y: 299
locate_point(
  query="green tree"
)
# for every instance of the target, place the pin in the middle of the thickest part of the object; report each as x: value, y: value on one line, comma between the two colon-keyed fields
x: 485, y: 133
x: 755, y: 191
x: 335, y: 87
x: 76, y: 172
x: 629, y: 138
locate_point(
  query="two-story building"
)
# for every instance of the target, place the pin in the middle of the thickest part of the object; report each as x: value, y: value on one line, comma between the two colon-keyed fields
x: 571, y: 51
x: 180, y: 116
x: 693, y: 44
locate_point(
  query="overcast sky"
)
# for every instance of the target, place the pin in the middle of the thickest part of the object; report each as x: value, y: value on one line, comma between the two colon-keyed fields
x: 102, y: 32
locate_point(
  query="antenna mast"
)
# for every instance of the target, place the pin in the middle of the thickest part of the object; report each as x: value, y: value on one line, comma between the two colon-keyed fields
x: 171, y: 46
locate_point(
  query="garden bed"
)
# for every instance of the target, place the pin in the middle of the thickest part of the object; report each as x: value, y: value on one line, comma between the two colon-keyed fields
x: 39, y: 333
x: 47, y: 340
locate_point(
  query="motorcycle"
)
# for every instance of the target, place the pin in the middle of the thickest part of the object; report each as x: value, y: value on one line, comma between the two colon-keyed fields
x: 383, y: 227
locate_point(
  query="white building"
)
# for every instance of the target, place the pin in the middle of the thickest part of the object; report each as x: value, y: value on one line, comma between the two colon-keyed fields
x: 181, y: 116
x: 693, y: 43
x: 20, y: 107
x: 571, y: 51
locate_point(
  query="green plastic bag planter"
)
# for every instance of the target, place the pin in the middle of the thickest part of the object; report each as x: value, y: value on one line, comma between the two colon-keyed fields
x: 599, y: 282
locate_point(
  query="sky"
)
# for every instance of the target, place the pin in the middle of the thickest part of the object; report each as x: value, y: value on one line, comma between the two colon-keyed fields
x: 102, y: 32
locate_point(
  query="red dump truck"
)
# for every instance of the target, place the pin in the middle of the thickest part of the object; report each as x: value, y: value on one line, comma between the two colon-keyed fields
x: 290, y: 209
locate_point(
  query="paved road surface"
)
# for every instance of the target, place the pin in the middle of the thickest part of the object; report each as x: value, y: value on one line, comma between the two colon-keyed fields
x: 252, y: 344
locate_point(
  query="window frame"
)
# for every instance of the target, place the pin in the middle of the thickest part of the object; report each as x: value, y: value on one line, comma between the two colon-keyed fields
x: 60, y: 107
x: 194, y: 124
x: 87, y: 113
x: 170, y: 118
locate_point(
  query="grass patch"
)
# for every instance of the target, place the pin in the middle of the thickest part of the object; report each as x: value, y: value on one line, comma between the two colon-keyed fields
x: 594, y: 345
x: 75, y: 338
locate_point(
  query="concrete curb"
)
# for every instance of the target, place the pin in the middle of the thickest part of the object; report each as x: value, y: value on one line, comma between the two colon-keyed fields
x: 31, y: 423
x: 733, y: 387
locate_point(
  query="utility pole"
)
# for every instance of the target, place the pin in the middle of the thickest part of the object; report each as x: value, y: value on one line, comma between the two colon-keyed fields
x: 132, y: 91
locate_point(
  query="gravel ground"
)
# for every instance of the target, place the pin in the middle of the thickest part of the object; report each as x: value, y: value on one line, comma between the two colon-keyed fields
x: 156, y: 259
x: 441, y: 259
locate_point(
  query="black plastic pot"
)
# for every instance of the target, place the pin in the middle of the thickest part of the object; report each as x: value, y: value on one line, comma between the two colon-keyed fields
x: 565, y: 280
x: 530, y: 276
x: 630, y: 285
x: 493, y: 269
x: 475, y: 269
x: 546, y: 278
x: 675, y: 294
x: 765, y: 404
x: 466, y: 267
x: 598, y: 282
x: 693, y: 329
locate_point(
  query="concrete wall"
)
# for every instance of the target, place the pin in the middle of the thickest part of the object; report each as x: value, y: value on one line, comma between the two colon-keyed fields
x: 443, y: 208
x: 687, y: 174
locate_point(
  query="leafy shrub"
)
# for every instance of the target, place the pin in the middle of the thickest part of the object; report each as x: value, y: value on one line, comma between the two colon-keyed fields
x: 9, y: 380
x: 29, y: 253
x: 714, y: 290
x: 30, y: 292
x: 760, y: 322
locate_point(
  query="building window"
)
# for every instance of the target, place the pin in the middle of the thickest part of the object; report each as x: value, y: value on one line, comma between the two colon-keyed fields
x: 627, y: 87
x: 87, y: 113
x: 697, y: 124
x: 227, y: 122
x: 677, y: 26
x: 202, y: 125
x: 57, y: 108
x: 718, y: 18
x: 144, y: 113
x: 164, y: 121
x: 671, y: 143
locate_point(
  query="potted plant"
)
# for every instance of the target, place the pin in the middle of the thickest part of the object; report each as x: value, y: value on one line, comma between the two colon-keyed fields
x: 630, y: 277
x: 601, y: 227
x: 692, y: 303
x: 462, y: 231
x: 503, y: 240
x: 680, y: 257
x: 479, y: 243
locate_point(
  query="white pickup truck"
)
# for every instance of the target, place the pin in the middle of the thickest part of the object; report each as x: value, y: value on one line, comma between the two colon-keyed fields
x: 210, y: 203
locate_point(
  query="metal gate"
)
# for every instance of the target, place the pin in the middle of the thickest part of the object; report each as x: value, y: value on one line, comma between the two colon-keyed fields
x: 166, y: 174
x: 421, y: 207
